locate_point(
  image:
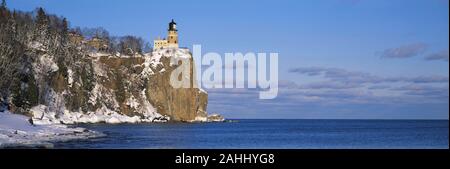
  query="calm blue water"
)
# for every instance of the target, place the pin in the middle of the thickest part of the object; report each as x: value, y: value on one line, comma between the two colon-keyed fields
x: 272, y: 134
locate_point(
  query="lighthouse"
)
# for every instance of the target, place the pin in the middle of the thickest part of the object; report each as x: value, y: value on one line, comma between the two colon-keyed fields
x: 172, y: 38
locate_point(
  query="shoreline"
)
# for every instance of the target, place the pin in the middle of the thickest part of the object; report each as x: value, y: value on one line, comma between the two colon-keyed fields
x: 17, y: 132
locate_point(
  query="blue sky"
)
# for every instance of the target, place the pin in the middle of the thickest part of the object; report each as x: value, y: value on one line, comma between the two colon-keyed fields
x: 344, y: 59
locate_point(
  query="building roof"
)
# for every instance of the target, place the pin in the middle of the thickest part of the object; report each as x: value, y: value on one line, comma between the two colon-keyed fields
x: 172, y: 26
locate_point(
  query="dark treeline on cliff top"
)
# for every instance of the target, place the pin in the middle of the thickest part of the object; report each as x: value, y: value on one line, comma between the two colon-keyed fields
x: 28, y: 25
x: 24, y: 36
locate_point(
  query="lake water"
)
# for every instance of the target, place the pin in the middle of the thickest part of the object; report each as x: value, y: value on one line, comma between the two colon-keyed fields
x: 283, y: 134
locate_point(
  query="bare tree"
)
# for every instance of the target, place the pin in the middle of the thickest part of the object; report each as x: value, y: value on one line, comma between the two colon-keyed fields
x: 147, y: 47
x: 98, y: 32
x: 131, y: 45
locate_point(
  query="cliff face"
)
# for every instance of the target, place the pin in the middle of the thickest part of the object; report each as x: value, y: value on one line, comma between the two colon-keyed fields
x: 100, y: 87
x: 181, y: 104
x: 52, y: 75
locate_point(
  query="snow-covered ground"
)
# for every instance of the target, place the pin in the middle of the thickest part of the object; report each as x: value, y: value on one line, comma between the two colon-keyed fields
x: 17, y: 131
x: 43, y: 116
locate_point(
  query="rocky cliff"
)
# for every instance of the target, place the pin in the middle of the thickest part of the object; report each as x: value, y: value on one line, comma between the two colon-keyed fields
x: 101, y: 87
x: 51, y: 76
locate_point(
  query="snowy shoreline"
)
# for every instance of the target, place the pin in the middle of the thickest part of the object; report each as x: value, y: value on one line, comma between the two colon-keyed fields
x: 17, y: 132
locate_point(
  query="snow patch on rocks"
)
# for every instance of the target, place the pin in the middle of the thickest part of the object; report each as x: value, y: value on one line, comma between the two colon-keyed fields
x: 44, y: 65
x: 17, y: 131
x: 41, y: 115
x: 210, y: 118
x: 37, y: 46
x: 156, y: 55
x: 70, y: 77
x: 101, y: 93
x: 98, y: 69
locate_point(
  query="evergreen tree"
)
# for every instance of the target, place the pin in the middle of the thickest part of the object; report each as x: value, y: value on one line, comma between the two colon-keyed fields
x: 41, y: 33
x: 65, y: 32
x: 4, y: 13
x: 3, y: 4
x: 41, y: 17
x: 65, y: 28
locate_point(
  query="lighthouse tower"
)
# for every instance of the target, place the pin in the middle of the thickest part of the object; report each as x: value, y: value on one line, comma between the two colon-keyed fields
x: 172, y: 37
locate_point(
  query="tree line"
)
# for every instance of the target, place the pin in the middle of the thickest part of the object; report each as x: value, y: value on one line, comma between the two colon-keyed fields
x: 49, y: 25
x: 23, y: 38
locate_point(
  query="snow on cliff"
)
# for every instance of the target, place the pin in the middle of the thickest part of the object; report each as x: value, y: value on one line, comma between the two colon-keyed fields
x: 42, y: 116
x: 101, y: 88
x: 103, y: 95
